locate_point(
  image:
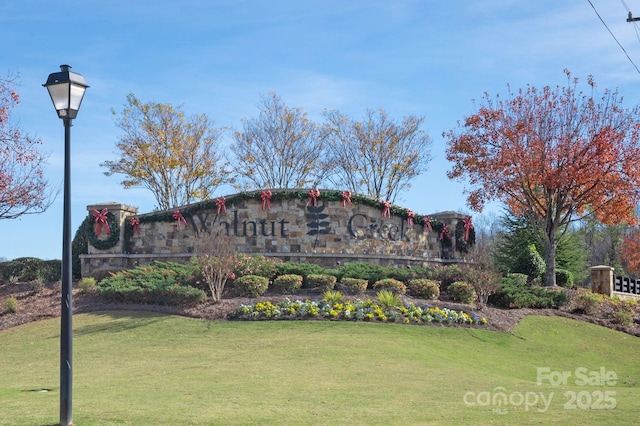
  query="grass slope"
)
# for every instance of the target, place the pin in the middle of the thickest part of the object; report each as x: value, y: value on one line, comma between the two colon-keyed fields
x: 149, y: 369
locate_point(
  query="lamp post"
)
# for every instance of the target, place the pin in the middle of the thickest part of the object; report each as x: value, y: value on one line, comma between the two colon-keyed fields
x: 66, y: 89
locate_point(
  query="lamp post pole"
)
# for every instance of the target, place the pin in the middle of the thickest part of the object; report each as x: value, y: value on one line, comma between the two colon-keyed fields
x: 66, y: 336
x: 66, y: 89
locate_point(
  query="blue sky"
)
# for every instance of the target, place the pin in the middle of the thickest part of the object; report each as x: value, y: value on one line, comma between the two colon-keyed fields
x: 428, y: 58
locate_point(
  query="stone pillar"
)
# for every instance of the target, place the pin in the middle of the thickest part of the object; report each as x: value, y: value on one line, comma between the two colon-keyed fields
x: 602, y: 279
x: 121, y: 213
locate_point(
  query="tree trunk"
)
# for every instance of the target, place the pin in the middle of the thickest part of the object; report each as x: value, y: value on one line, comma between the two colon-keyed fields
x: 550, y: 259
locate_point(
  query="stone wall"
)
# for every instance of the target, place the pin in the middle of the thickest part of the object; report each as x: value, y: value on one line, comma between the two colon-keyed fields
x: 290, y: 228
x: 603, y: 282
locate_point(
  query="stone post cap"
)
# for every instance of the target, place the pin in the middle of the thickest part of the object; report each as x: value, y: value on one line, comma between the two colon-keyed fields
x: 602, y: 267
x: 112, y: 206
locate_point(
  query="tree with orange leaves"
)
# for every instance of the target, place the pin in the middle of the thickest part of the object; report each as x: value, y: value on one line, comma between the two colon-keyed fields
x: 553, y: 155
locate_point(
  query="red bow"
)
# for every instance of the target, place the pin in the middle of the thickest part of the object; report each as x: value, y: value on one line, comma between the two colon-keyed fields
x: 468, y: 226
x: 346, y: 198
x: 179, y: 218
x: 445, y: 232
x: 386, y: 209
x: 221, y: 205
x: 266, y: 199
x: 101, y: 221
x: 410, y: 216
x: 313, y: 197
x: 135, y: 222
x: 427, y: 224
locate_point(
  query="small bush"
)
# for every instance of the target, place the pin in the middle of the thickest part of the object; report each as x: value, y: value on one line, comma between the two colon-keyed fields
x: 353, y: 285
x: 514, y: 294
x: 87, y: 284
x: 623, y: 318
x: 388, y: 299
x: 424, y: 288
x: 588, y: 302
x: 250, y: 285
x: 288, y: 283
x: 564, y: 278
x: 332, y: 297
x: 447, y: 275
x: 462, y: 292
x: 320, y: 281
x: 255, y: 265
x: 391, y: 285
x: 10, y: 305
x: 485, y: 283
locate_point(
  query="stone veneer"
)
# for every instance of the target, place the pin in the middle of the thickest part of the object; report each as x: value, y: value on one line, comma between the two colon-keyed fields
x: 292, y: 229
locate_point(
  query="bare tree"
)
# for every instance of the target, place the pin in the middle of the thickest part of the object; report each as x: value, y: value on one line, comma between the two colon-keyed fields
x: 216, y: 259
x: 377, y: 156
x: 278, y: 149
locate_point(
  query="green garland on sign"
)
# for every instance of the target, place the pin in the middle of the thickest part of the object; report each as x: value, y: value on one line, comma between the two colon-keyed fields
x: 286, y: 194
x: 113, y: 238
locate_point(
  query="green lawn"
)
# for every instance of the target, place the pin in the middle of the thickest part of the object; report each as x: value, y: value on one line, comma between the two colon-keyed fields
x: 148, y: 369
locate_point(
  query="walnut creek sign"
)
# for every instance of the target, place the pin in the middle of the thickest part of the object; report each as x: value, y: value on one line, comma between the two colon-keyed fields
x: 291, y: 225
x: 358, y: 225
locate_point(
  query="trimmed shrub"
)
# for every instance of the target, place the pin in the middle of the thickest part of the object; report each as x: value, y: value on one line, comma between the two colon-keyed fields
x: 564, y: 278
x: 288, y: 283
x: 52, y: 270
x: 520, y: 279
x: 320, y: 281
x: 304, y: 269
x: 250, y: 285
x: 514, y: 294
x: 163, y: 294
x: 398, y: 273
x: 23, y: 269
x: 255, y: 265
x: 87, y: 284
x: 424, y: 288
x: 353, y: 285
x: 391, y: 285
x: 161, y: 283
x: 461, y: 291
x: 10, y: 305
x: 101, y: 274
x: 362, y: 270
x: 530, y: 263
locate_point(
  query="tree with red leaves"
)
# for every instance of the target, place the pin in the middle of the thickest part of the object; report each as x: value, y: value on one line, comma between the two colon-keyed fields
x: 23, y: 189
x: 553, y: 155
x: 630, y: 251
